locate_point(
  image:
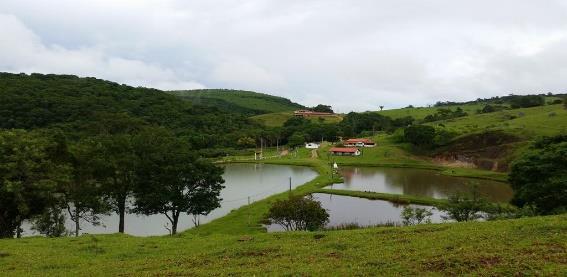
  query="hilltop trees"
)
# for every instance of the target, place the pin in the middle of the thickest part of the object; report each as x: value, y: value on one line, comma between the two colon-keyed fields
x: 539, y: 177
x: 322, y: 108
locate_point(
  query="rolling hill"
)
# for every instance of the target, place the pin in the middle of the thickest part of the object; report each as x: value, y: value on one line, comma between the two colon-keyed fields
x: 245, y: 102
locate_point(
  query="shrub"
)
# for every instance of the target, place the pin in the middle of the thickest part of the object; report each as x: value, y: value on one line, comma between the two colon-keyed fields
x: 464, y: 206
x: 298, y: 213
x: 539, y: 177
x: 420, y: 135
x: 413, y: 216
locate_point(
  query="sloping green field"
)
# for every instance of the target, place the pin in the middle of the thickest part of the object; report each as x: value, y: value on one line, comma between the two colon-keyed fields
x: 527, y: 122
x: 530, y: 246
x: 238, y: 100
x: 278, y: 119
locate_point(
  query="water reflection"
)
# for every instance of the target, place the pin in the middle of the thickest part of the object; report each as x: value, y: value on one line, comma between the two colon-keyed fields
x: 364, y: 212
x: 418, y: 182
x: 244, y: 182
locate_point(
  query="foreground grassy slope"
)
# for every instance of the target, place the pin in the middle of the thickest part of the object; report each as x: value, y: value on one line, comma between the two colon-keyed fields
x: 278, y: 119
x: 247, y: 102
x: 530, y: 246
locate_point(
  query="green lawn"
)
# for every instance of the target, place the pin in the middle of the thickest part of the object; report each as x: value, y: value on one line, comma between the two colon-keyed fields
x: 530, y: 246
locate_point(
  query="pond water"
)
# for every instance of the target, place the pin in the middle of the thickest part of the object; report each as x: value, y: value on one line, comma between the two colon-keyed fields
x: 364, y: 212
x: 256, y: 181
x: 418, y: 182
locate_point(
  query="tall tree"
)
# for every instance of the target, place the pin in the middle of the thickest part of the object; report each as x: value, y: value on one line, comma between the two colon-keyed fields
x: 29, y: 174
x: 84, y: 199
x: 173, y: 181
x: 117, y: 157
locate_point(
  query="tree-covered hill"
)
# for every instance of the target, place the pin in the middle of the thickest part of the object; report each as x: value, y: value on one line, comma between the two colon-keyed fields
x: 245, y: 102
x: 69, y: 102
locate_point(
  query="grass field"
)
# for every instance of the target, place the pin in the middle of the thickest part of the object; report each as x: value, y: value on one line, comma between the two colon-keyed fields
x: 530, y: 246
x: 278, y: 119
x: 527, y: 122
x: 238, y: 100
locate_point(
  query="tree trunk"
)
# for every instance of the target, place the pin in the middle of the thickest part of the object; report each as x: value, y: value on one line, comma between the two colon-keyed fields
x: 174, y: 223
x: 121, y: 213
x: 77, y: 227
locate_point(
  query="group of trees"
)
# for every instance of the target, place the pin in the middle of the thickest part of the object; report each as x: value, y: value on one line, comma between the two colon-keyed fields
x: 43, y: 172
x: 444, y: 114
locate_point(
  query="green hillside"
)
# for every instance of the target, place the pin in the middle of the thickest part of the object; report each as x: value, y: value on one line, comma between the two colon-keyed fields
x: 246, y: 102
x: 527, y: 122
x: 529, y: 246
x: 278, y: 119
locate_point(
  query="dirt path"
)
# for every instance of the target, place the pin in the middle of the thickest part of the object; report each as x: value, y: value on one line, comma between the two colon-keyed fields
x: 314, y: 154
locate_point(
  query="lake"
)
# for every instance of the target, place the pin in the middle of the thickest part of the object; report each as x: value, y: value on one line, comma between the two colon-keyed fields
x: 242, y: 181
x: 364, y: 212
x: 418, y: 182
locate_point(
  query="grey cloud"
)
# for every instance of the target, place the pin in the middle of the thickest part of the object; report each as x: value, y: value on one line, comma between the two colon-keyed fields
x: 354, y: 55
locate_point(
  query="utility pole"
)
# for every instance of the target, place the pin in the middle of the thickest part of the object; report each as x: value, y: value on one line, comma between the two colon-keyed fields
x: 248, y: 211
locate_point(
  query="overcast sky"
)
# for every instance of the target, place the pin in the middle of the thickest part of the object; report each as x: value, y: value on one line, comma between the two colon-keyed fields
x: 353, y: 55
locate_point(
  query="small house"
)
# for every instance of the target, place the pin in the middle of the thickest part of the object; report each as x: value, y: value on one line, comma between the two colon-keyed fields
x: 359, y: 143
x: 344, y: 151
x: 312, y: 145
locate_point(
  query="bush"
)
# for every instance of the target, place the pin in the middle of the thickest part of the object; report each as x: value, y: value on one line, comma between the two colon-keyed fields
x: 527, y: 101
x: 51, y: 223
x: 413, y: 216
x: 464, y: 206
x: 298, y: 213
x: 420, y: 135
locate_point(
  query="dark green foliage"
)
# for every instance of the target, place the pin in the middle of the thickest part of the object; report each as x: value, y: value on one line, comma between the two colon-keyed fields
x: 296, y: 139
x: 420, y: 135
x: 29, y: 174
x: 518, y: 101
x: 556, y: 102
x: 444, y: 114
x: 492, y: 108
x: 355, y: 123
x: 73, y: 103
x: 173, y: 181
x: 298, y: 213
x: 322, y: 108
x: 465, y: 206
x: 539, y: 177
x: 84, y: 195
x: 50, y: 223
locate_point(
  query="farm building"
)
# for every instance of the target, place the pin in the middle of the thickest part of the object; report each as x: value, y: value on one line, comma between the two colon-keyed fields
x: 359, y: 143
x: 344, y: 151
x: 308, y: 113
x: 312, y: 145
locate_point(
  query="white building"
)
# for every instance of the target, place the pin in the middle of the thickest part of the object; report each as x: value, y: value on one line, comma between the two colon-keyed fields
x: 312, y: 145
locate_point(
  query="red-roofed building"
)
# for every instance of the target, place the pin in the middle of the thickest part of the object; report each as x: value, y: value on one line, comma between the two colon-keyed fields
x: 344, y: 151
x: 359, y: 142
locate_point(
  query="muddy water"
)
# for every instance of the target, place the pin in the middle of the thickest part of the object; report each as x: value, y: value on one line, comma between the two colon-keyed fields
x: 418, y: 182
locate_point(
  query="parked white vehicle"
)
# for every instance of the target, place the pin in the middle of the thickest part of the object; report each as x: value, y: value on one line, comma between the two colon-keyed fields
x: 312, y: 145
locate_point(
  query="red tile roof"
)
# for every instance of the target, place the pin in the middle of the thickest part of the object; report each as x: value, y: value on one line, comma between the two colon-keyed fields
x: 355, y: 140
x: 343, y: 149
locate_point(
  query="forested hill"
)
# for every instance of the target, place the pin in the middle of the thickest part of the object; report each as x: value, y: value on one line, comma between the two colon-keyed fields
x: 69, y: 102
x: 245, y: 102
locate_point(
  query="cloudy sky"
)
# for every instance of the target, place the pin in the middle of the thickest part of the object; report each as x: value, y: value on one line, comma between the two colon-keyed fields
x: 354, y: 55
